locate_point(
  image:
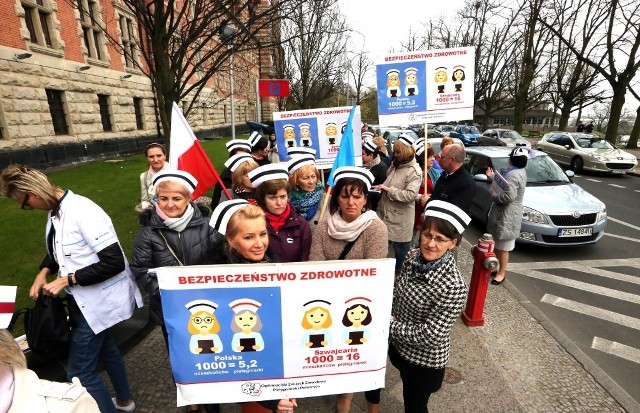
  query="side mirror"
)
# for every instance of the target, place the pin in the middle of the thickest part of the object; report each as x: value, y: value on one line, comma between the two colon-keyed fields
x: 570, y: 174
x: 480, y: 178
x: 567, y: 146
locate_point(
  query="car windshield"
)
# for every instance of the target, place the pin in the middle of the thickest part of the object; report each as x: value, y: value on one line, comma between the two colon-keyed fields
x: 513, y: 135
x: 595, y: 143
x: 470, y: 129
x: 541, y: 170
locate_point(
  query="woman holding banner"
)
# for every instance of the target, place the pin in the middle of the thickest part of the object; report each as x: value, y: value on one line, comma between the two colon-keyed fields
x: 247, y: 242
x: 428, y: 296
x: 505, y: 216
x: 353, y: 232
x: 174, y: 233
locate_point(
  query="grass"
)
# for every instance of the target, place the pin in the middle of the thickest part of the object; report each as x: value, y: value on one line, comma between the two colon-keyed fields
x: 115, y: 186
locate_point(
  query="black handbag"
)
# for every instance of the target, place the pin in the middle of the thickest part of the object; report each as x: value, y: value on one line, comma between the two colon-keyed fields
x: 46, y: 324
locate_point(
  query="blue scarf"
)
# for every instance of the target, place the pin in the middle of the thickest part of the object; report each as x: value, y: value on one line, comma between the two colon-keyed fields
x: 306, y: 203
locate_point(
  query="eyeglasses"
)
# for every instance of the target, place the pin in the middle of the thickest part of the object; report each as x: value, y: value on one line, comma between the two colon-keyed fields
x: 199, y: 320
x: 25, y: 202
x: 426, y: 237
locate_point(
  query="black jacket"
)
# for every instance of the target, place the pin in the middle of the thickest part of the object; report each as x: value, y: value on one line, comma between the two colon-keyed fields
x: 197, y: 244
x: 458, y: 188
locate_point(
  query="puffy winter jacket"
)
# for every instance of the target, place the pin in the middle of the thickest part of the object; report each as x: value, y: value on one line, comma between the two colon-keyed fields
x: 197, y: 244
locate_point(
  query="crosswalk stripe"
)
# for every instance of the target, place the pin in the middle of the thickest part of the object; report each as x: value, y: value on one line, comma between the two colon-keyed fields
x: 606, y: 234
x: 610, y: 218
x: 594, y: 289
x: 593, y: 180
x: 592, y: 311
x: 617, y: 186
x: 616, y: 349
x: 615, y: 275
x: 575, y: 265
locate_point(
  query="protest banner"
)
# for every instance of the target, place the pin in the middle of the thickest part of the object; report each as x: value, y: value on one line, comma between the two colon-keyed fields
x: 429, y: 86
x: 319, y: 129
x: 249, y: 332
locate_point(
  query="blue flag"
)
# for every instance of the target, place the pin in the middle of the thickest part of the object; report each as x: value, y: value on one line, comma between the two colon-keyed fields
x: 346, y: 155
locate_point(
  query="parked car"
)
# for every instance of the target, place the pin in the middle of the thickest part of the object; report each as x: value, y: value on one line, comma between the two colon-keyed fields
x: 582, y: 151
x: 435, y: 142
x: 393, y: 134
x: 466, y: 133
x: 445, y: 129
x: 502, y: 137
x: 556, y: 212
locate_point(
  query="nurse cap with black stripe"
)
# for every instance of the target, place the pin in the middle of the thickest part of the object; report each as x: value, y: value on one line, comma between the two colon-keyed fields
x: 181, y: 177
x: 406, y: 139
x: 237, y: 160
x: 369, y: 145
x: 354, y: 172
x: 299, y: 161
x: 223, y: 212
x: 449, y: 212
x: 299, y: 151
x: 268, y: 172
x: 235, y: 144
x: 254, y: 138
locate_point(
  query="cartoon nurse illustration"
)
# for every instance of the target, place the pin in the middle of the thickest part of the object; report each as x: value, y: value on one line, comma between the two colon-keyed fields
x: 356, y: 319
x: 316, y: 321
x: 458, y: 76
x: 204, y: 327
x: 246, y: 325
x: 289, y: 136
x: 331, y: 131
x: 411, y: 81
x: 305, y: 134
x: 440, y: 78
x: 393, y: 83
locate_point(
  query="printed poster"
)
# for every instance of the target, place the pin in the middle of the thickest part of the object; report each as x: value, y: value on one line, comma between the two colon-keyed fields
x: 240, y: 333
x: 430, y: 86
x: 319, y: 129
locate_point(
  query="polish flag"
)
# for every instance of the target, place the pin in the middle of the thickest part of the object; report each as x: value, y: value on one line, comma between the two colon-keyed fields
x: 186, y: 154
x: 7, y: 304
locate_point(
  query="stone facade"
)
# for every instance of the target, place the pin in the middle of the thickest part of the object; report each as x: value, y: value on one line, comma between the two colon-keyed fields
x: 78, y: 73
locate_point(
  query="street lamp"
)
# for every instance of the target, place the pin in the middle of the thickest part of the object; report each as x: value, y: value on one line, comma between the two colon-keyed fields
x: 226, y: 35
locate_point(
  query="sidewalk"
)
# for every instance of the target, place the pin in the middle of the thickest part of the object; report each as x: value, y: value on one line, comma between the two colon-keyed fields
x: 512, y: 364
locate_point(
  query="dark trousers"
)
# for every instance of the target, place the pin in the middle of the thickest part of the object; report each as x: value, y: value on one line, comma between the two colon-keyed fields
x: 418, y: 383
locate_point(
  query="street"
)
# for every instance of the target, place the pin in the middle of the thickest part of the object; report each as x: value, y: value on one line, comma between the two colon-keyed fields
x: 591, y: 294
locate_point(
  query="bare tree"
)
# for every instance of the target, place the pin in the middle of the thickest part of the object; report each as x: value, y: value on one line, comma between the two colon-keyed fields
x: 357, y: 69
x: 635, y: 132
x: 314, y: 51
x: 185, y: 45
x: 617, y: 42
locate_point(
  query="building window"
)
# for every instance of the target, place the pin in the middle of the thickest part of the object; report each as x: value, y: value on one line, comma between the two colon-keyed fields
x: 103, y: 102
x: 56, y: 108
x: 137, y: 107
x: 90, y: 23
x: 127, y: 34
x: 38, y: 19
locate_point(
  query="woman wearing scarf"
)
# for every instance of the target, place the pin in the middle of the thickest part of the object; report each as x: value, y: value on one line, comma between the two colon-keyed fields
x: 428, y: 296
x: 174, y: 233
x: 240, y: 165
x: 505, y: 216
x: 289, y: 233
x: 351, y: 232
x: 247, y: 242
x: 157, y: 159
x: 307, y: 192
x: 399, y: 195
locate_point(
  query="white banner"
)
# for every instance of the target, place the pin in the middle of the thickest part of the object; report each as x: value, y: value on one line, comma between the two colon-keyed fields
x: 240, y: 333
x: 428, y: 86
x: 319, y: 129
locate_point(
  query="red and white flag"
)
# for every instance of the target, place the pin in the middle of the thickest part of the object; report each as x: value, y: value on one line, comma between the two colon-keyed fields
x: 7, y: 304
x: 186, y: 154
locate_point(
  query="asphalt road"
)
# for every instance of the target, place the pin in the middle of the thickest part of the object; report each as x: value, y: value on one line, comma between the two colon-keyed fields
x: 591, y: 294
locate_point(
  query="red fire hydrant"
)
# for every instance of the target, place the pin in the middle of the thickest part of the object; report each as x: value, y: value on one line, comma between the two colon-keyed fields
x: 484, y: 263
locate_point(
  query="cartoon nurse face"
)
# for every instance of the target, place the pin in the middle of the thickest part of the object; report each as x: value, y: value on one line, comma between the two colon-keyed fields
x: 393, y: 80
x: 289, y: 133
x: 458, y: 75
x: 331, y: 130
x: 357, y: 315
x: 246, y: 321
x: 441, y: 76
x: 411, y: 79
x: 316, y: 318
x: 203, y: 322
x: 304, y: 132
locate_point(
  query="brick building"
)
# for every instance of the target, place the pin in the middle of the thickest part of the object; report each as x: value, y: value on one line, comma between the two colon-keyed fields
x: 62, y: 82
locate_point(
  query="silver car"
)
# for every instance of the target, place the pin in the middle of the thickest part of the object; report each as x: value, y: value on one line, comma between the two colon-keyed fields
x: 582, y: 151
x: 556, y: 212
x: 502, y: 137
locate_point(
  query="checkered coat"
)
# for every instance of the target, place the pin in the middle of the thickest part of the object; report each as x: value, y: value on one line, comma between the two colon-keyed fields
x: 426, y: 303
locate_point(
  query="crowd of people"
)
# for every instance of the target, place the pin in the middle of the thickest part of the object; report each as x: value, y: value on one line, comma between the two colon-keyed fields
x: 411, y: 207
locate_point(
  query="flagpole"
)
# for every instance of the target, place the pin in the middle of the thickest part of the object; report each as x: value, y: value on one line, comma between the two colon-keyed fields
x: 325, y: 201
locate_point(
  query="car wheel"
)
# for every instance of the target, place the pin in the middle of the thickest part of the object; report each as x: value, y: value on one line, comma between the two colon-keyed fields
x: 576, y: 164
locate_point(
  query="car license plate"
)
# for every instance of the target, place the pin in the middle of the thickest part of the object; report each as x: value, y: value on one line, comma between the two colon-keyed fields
x: 575, y: 232
x: 618, y: 171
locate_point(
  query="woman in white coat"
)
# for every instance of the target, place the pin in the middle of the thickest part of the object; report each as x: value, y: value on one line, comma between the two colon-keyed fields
x: 85, y: 255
